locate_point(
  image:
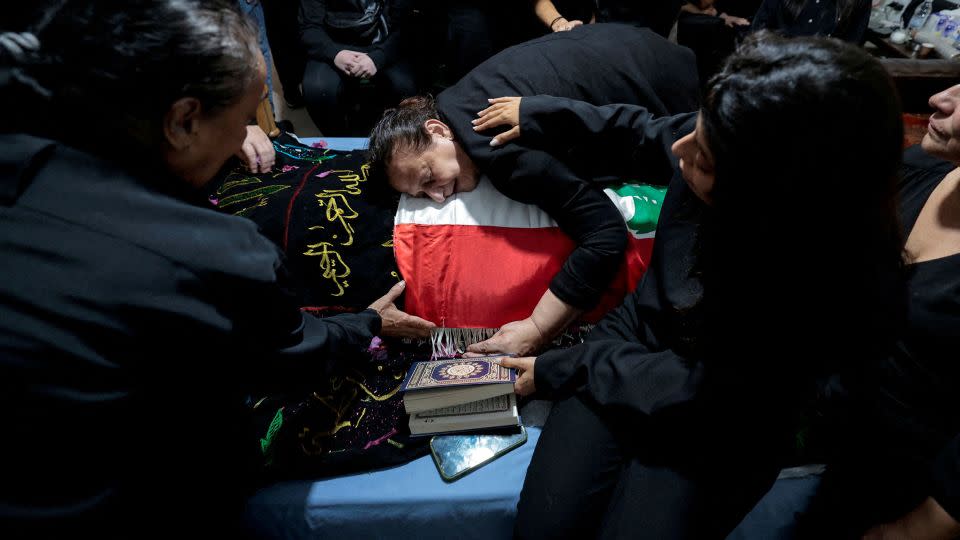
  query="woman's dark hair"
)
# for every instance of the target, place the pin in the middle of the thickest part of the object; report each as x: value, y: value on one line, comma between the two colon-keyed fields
x: 802, y: 236
x: 108, y: 71
x: 845, y: 9
x: 400, y: 130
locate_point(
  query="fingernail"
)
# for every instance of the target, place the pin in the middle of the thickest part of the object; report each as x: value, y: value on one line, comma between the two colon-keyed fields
x: 489, y: 100
x: 476, y: 128
x: 494, y: 142
x: 474, y: 121
x: 402, y: 283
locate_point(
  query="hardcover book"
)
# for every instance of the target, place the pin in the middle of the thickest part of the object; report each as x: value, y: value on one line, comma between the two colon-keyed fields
x: 491, y: 413
x: 459, y: 394
x: 434, y: 384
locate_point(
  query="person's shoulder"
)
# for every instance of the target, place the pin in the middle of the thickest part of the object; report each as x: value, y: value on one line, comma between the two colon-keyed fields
x: 102, y: 198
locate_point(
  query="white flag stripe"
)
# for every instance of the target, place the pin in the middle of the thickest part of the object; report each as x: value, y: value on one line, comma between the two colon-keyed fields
x: 485, y: 206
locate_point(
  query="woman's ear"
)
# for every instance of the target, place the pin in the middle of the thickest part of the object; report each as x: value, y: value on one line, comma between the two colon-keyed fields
x: 436, y: 127
x: 182, y: 122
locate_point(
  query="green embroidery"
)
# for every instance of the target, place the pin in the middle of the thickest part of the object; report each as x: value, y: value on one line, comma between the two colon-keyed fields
x: 266, y: 443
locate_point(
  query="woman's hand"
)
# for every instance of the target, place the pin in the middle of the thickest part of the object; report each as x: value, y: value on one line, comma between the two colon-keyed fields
x: 396, y: 323
x: 257, y: 152
x: 732, y: 21
x: 503, y: 111
x: 563, y: 25
x: 524, y: 366
x: 517, y: 337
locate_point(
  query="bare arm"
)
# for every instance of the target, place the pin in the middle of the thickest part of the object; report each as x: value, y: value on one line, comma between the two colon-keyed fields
x: 551, y: 18
x: 549, y: 318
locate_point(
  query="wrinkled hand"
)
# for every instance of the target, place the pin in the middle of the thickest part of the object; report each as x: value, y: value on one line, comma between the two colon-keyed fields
x: 396, y: 323
x: 347, y: 62
x: 503, y: 111
x: 524, y: 366
x: 518, y: 337
x: 732, y: 21
x: 564, y: 25
x: 257, y: 152
x: 365, y: 66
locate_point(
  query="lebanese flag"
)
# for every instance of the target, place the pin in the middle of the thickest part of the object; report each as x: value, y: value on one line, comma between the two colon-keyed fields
x: 481, y: 259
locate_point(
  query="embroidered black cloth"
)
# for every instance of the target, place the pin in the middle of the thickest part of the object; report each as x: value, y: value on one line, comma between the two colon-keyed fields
x: 337, y: 234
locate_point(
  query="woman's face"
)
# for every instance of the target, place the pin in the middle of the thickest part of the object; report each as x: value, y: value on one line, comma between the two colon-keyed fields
x: 437, y: 172
x: 205, y: 140
x: 943, y: 132
x: 696, y: 162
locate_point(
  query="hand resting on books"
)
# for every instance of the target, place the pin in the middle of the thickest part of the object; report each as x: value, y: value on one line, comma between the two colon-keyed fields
x: 524, y: 366
x: 397, y: 323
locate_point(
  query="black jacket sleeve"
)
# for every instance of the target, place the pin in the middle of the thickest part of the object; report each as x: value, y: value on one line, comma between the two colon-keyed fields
x: 263, y: 314
x: 625, y: 137
x: 391, y: 49
x: 581, y: 210
x: 318, y: 43
x: 622, y: 367
x: 629, y: 137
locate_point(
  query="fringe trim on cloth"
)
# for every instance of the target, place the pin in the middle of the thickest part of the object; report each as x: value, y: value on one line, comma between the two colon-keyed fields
x: 452, y: 342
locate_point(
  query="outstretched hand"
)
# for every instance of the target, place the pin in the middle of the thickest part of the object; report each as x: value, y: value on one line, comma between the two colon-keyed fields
x: 732, y: 21
x: 503, y: 111
x: 396, y: 323
x: 518, y: 337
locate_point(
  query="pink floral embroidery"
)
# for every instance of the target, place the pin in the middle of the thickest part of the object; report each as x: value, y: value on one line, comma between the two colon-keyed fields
x: 319, y: 144
x: 288, y: 168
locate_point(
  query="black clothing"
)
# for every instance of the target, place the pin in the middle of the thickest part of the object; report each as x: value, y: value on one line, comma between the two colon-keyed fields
x: 340, y: 105
x: 710, y: 39
x: 289, y: 57
x: 658, y: 15
x: 600, y: 64
x: 816, y: 18
x: 599, y: 487
x: 711, y: 413
x: 134, y: 322
x: 330, y: 26
x: 667, y: 443
x: 898, y: 424
x: 374, y: 27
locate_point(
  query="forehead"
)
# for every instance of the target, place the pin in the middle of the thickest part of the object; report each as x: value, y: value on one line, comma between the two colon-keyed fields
x: 406, y: 167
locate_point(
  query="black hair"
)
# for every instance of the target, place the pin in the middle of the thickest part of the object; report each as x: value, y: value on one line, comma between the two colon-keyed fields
x: 802, y: 238
x: 400, y: 129
x: 106, y: 72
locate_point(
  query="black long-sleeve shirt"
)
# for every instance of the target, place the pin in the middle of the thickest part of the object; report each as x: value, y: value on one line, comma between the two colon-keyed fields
x: 323, y: 41
x: 132, y: 323
x: 600, y: 64
x: 816, y: 18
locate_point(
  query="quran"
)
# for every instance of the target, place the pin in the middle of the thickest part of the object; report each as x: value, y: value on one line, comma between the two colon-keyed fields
x: 459, y: 394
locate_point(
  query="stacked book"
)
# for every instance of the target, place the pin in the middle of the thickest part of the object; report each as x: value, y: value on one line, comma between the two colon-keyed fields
x: 459, y: 394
